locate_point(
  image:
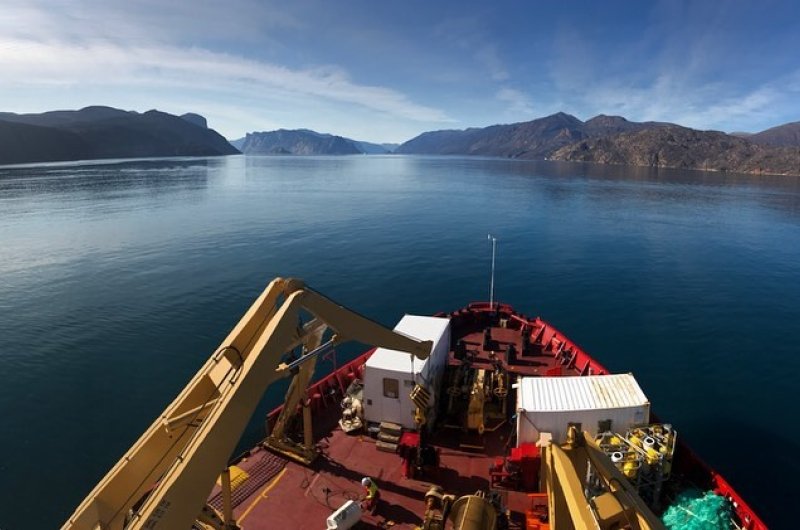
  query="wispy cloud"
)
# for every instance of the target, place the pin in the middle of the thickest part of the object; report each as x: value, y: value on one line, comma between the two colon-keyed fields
x: 387, y: 68
x: 469, y: 34
x: 489, y: 57
x: 145, y: 20
x: 704, y: 105
x: 39, y: 50
x: 519, y: 104
x: 681, y: 68
x: 26, y: 62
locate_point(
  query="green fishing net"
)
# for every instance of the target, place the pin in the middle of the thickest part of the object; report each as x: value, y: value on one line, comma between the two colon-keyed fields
x: 697, y: 510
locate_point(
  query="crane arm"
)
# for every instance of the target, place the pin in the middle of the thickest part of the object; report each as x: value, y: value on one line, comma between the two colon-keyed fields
x: 190, y: 444
x: 564, y: 474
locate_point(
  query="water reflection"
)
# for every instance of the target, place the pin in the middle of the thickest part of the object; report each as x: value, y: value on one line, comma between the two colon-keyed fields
x: 107, y: 180
x: 118, y: 278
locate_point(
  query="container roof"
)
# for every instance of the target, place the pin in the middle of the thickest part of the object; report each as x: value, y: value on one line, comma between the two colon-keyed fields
x: 418, y: 327
x: 592, y: 392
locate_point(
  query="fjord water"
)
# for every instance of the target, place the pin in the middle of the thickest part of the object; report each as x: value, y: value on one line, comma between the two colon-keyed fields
x: 118, y: 279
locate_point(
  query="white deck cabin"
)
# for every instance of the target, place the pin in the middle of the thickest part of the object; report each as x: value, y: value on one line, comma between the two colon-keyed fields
x: 548, y: 404
x: 390, y: 375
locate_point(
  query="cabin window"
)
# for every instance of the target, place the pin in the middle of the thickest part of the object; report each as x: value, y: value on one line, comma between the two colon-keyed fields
x: 391, y: 388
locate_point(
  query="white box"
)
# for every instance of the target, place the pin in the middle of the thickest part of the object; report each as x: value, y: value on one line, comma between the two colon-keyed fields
x: 390, y: 375
x: 347, y: 516
x: 549, y: 404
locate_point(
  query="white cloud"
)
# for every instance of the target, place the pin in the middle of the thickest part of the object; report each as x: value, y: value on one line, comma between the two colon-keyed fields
x: 98, y: 63
x: 519, y: 104
x: 673, y: 72
x: 144, y: 20
x: 140, y: 50
x: 704, y: 105
x: 488, y: 56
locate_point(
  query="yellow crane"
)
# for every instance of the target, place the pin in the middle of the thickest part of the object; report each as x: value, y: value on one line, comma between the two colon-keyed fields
x: 163, y: 480
x: 564, y: 472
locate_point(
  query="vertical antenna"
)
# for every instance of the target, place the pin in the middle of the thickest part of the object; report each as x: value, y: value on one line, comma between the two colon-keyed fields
x: 491, y: 280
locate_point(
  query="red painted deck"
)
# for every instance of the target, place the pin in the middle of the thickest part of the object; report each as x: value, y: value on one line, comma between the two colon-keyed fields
x: 281, y: 494
x: 301, y: 497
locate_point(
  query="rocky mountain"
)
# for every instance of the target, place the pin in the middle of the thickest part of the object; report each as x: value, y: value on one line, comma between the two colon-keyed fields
x: 532, y: 139
x: 237, y: 143
x: 196, y: 119
x: 303, y: 142
x: 786, y: 135
x: 369, y: 148
x: 105, y: 132
x: 21, y: 143
x: 615, y: 140
x: 603, y: 125
x: 681, y: 147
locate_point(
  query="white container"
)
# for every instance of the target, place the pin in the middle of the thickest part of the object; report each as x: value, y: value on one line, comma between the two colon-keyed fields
x: 549, y: 404
x: 347, y: 516
x: 390, y: 375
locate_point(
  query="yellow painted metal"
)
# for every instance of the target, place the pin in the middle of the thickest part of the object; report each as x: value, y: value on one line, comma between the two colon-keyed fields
x: 420, y: 397
x: 611, y: 513
x: 227, y: 502
x: 209, y: 519
x: 563, y: 474
x: 477, y: 398
x: 571, y: 485
x: 238, y: 477
x: 184, y: 462
x: 277, y: 439
x: 622, y: 489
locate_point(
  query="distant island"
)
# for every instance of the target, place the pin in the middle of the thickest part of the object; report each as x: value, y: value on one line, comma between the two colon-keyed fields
x: 615, y: 140
x: 306, y: 142
x: 105, y: 132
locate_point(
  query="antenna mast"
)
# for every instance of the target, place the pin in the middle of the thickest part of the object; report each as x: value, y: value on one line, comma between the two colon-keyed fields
x: 491, y: 280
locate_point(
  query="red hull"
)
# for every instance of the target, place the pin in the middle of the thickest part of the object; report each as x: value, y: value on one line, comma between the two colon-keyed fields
x: 281, y: 494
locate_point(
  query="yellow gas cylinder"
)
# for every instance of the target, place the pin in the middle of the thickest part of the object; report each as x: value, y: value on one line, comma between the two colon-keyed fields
x: 657, y: 429
x: 629, y: 469
x: 652, y: 456
x: 635, y: 440
x: 614, y: 440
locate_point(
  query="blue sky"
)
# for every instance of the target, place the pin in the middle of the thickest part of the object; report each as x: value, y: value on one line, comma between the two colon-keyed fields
x: 386, y: 71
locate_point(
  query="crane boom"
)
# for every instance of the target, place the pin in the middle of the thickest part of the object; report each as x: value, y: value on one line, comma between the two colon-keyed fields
x: 564, y: 471
x: 190, y: 443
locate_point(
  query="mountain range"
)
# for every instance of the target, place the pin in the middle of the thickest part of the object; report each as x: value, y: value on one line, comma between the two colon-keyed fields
x: 531, y: 139
x: 680, y: 147
x: 615, y: 140
x: 105, y: 132
x: 786, y: 135
x: 305, y: 142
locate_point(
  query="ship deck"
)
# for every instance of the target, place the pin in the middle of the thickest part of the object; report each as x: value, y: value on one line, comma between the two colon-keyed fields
x: 297, y: 496
x: 280, y: 493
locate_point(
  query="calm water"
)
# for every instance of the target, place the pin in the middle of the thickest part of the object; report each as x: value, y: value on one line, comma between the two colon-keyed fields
x: 117, y: 280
